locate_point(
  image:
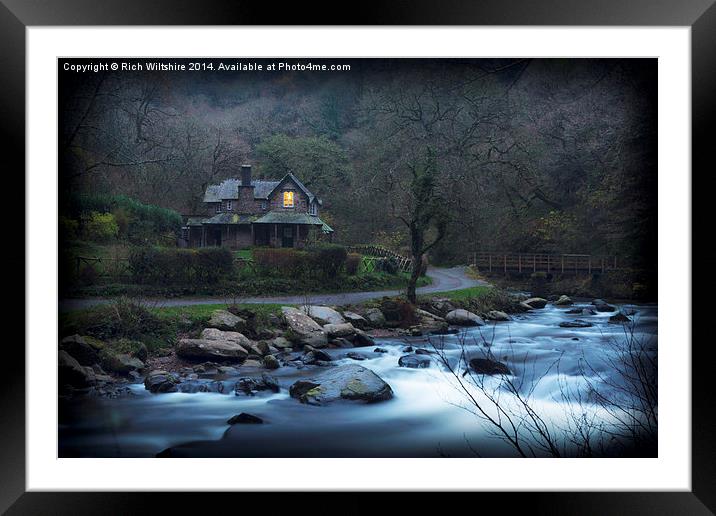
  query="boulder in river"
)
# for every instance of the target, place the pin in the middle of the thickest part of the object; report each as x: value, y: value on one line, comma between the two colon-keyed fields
x: 462, y: 317
x: 251, y: 385
x: 160, y: 381
x: 375, y: 317
x: 355, y: 356
x: 271, y: 362
x: 355, y: 319
x: 602, y: 306
x: 304, y: 330
x: 362, y: 339
x: 120, y: 363
x: 619, y: 318
x: 348, y: 382
x: 535, y: 302
x: 442, y: 305
x: 563, y: 301
x: 488, y: 366
x: 414, y: 361
x: 577, y: 323
x: 245, y: 419
x: 211, y: 349
x: 71, y: 372
x: 339, y: 330
x: 574, y: 311
x: 323, y: 313
x: 83, y: 349
x: 497, y: 315
x: 225, y: 320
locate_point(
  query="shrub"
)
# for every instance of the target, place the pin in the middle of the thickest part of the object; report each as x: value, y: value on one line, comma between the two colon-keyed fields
x: 327, y: 260
x: 389, y: 265
x: 284, y: 261
x: 101, y: 227
x: 353, y: 261
x: 69, y: 228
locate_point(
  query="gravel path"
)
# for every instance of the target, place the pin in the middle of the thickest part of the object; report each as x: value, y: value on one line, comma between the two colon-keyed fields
x: 454, y: 278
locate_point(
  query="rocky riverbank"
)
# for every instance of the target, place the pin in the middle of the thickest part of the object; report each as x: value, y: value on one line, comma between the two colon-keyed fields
x: 235, y: 352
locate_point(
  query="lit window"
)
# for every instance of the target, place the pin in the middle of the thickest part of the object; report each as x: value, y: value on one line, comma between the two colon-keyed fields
x: 288, y: 199
x: 228, y: 205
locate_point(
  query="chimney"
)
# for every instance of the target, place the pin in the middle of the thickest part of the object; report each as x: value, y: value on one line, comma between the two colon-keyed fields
x: 245, y: 175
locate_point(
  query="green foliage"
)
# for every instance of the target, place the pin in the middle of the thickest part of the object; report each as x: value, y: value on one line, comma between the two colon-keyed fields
x: 171, y: 266
x: 132, y: 220
x: 285, y: 262
x: 101, y: 227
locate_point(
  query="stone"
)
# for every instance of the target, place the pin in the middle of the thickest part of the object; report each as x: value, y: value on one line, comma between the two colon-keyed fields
x: 488, y: 366
x: 427, y: 316
x: 619, y: 318
x: 577, y: 323
x: 71, y: 372
x: 120, y: 363
x: 160, y: 381
x: 355, y: 319
x: 442, y: 305
x: 305, y: 330
x: 211, y: 349
x: 414, y: 361
x: 574, y: 311
x: 535, y: 302
x: 230, y: 336
x: 225, y: 320
x: 375, y: 317
x: 324, y: 313
x: 245, y: 419
x: 356, y: 356
x: 563, y: 301
x: 315, y: 355
x: 347, y: 382
x: 281, y: 343
x: 250, y: 385
x: 602, y: 306
x: 271, y: 362
x: 339, y: 330
x: 362, y: 339
x: 83, y: 349
x: 380, y: 350
x: 423, y: 351
x: 497, y: 315
x: 461, y: 317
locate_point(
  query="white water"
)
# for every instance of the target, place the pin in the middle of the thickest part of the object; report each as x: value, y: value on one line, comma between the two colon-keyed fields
x: 426, y: 417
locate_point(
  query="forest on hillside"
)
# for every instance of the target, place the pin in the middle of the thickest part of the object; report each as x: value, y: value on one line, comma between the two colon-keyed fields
x: 519, y: 155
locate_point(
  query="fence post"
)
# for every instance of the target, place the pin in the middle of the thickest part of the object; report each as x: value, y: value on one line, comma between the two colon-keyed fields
x: 534, y: 263
x: 490, y: 262
x: 562, y: 264
x: 519, y: 263
x: 590, y: 264
x: 504, y: 260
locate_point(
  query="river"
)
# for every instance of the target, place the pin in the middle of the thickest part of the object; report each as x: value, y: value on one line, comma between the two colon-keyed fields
x: 429, y: 415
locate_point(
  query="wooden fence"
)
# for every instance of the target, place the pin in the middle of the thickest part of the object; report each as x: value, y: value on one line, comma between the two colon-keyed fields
x: 378, y: 251
x: 532, y: 262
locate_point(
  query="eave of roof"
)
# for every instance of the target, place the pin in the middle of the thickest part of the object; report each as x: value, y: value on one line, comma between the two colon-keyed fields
x: 287, y: 217
x: 230, y: 218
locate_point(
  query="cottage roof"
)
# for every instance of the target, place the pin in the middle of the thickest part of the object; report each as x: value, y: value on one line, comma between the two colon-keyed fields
x: 228, y: 189
x: 287, y: 217
x: 299, y: 184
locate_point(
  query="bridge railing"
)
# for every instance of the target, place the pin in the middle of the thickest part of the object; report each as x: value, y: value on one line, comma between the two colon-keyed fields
x: 534, y: 262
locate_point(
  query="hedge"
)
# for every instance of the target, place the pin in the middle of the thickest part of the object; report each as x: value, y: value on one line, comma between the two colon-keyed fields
x: 157, y: 266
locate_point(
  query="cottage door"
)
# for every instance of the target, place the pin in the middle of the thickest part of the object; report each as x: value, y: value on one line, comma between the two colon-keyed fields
x: 287, y: 237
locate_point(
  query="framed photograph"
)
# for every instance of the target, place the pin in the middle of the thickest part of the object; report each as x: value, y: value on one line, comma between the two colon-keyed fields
x: 437, y: 250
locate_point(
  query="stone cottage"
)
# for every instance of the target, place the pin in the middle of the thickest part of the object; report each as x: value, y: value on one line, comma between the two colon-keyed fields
x: 244, y: 212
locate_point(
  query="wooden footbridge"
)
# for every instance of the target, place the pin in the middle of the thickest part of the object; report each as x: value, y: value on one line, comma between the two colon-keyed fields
x: 550, y: 263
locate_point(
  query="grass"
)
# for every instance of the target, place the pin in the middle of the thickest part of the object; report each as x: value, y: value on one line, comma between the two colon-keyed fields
x: 245, y: 254
x: 204, y: 311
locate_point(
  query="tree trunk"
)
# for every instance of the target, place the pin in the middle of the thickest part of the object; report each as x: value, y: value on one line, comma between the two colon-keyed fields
x: 414, y: 275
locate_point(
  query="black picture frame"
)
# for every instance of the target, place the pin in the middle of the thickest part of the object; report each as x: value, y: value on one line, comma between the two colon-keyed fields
x: 16, y: 15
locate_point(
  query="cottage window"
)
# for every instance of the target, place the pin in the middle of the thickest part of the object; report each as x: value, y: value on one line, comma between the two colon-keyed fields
x: 263, y: 205
x: 288, y: 199
x: 218, y: 207
x: 313, y: 209
x: 228, y: 205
